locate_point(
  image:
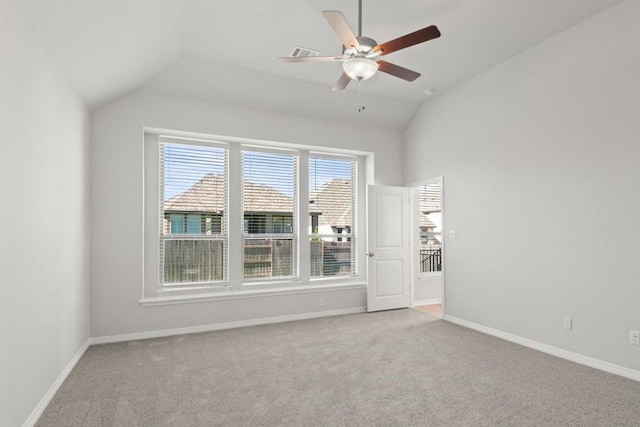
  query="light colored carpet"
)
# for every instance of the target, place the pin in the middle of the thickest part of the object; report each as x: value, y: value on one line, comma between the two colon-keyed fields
x: 394, y: 368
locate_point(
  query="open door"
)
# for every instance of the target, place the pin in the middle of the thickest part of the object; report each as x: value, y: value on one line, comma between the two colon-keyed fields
x: 389, y: 260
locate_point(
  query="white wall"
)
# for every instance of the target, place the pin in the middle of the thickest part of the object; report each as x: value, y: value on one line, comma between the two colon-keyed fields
x: 541, y: 159
x: 44, y: 317
x: 117, y: 206
x: 426, y: 289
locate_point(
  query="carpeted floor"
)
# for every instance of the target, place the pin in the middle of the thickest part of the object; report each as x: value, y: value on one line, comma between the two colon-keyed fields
x: 394, y: 368
x: 432, y: 309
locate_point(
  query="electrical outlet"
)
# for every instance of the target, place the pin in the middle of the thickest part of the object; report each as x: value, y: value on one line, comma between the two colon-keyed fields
x: 321, y: 302
x: 568, y: 323
x: 634, y: 337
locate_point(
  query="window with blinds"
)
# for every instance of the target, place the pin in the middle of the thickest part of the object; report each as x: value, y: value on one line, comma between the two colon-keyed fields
x: 193, y: 213
x: 269, y: 206
x: 332, y: 196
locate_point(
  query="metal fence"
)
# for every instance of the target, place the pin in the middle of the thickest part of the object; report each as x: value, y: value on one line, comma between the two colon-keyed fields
x: 430, y: 260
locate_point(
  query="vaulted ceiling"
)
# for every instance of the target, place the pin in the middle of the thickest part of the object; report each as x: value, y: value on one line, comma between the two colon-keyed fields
x: 226, y: 51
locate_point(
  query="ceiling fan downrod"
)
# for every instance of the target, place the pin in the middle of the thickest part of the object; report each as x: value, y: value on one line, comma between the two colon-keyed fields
x: 359, y: 18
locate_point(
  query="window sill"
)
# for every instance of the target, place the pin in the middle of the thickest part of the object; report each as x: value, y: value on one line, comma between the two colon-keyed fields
x: 247, y: 293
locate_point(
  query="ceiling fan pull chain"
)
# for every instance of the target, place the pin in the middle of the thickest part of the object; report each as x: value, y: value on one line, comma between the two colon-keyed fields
x: 360, y: 109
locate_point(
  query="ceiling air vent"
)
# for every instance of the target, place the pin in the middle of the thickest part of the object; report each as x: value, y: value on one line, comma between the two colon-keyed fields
x: 303, y: 51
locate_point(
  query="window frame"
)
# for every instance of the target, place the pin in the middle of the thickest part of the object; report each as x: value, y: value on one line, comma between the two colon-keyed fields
x: 186, y: 235
x: 236, y: 286
x: 269, y: 234
x: 353, y: 233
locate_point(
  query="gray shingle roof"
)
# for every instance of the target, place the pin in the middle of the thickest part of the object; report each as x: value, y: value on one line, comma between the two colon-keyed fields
x: 333, y: 201
x: 207, y: 196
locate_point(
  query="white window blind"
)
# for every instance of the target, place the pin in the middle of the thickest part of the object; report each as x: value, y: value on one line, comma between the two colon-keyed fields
x: 269, y: 208
x: 332, y: 208
x: 193, y: 213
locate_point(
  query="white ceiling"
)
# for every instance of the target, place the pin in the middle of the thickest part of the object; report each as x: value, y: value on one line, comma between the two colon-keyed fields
x: 226, y: 50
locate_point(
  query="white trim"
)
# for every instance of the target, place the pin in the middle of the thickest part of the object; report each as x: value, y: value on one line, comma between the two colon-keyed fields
x: 334, y: 156
x: 44, y: 402
x: 545, y: 348
x: 242, y: 294
x: 220, y: 326
x: 171, y: 133
x: 415, y: 232
x: 427, y: 301
x: 434, y: 180
x: 167, y: 139
x: 429, y: 274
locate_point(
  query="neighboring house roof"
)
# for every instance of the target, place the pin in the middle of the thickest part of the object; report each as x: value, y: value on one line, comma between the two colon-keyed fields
x: 425, y: 222
x: 333, y: 202
x: 207, y: 196
x: 430, y: 198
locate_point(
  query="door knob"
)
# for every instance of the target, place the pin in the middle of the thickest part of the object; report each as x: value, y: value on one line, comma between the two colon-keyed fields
x: 370, y: 254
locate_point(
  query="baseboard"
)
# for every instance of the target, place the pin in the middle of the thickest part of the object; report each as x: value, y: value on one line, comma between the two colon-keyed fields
x: 545, y: 348
x: 221, y: 326
x: 44, y: 402
x: 427, y: 301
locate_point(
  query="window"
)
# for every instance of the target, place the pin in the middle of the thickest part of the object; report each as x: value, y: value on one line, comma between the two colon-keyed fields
x: 283, y: 223
x: 193, y: 202
x: 189, y: 223
x: 225, y: 216
x: 269, y: 198
x: 430, y: 223
x: 332, y: 196
x: 255, y: 223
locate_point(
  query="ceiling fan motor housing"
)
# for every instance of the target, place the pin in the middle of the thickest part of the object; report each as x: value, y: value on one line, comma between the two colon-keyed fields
x: 366, y: 46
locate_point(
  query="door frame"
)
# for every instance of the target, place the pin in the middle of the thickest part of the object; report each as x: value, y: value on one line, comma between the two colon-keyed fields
x: 415, y: 237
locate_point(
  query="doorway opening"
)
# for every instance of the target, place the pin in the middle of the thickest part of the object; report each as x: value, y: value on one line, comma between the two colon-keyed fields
x: 427, y: 277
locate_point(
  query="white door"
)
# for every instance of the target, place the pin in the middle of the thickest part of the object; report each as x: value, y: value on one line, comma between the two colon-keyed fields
x: 389, y: 260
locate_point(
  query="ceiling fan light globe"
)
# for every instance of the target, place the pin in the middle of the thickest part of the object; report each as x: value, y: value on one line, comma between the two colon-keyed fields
x: 360, y: 68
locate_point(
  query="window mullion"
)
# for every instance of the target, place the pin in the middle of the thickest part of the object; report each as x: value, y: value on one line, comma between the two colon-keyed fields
x: 235, y: 218
x: 304, y: 267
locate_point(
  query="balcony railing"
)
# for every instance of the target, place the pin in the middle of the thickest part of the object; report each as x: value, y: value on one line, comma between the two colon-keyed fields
x: 430, y: 260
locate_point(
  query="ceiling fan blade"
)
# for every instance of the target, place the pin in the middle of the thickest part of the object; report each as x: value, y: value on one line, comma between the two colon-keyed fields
x: 397, y: 71
x: 336, y: 19
x: 342, y: 82
x: 408, y: 40
x: 310, y: 58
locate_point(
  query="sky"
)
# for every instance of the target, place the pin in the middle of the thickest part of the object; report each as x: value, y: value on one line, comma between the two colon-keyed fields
x: 184, y: 165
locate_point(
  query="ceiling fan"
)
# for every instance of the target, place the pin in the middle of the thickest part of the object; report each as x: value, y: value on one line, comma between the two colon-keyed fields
x: 360, y: 56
